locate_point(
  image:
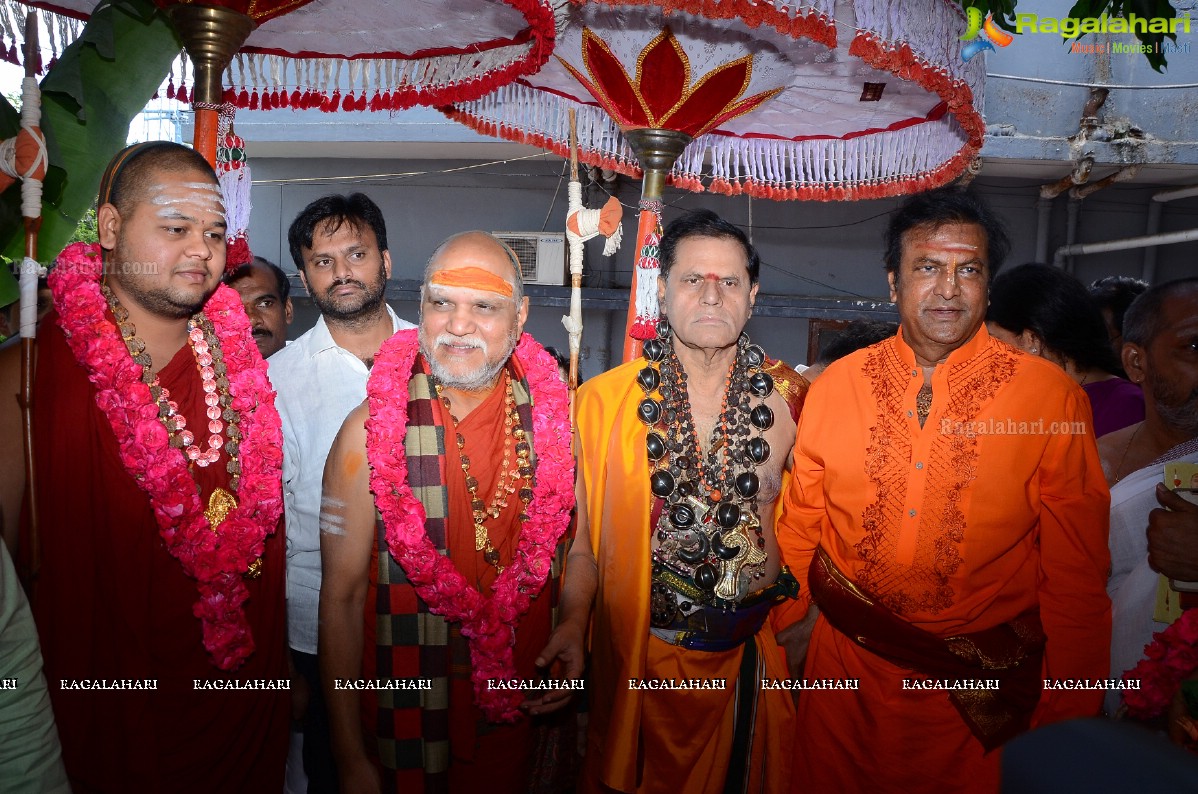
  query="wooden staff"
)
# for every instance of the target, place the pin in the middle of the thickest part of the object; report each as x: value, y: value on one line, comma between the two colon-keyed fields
x: 29, y: 273
x: 575, y: 279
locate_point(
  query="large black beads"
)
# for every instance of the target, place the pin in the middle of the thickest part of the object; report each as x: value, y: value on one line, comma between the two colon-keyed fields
x: 761, y: 384
x: 654, y: 350
x: 663, y: 604
x: 661, y: 483
x: 705, y: 576
x: 758, y: 450
x: 682, y: 516
x: 760, y: 417
x: 747, y: 484
x: 722, y: 551
x: 663, y: 328
x: 650, y: 411
x: 697, y: 554
x: 656, y: 446
x: 728, y: 514
x: 649, y: 378
x: 754, y: 356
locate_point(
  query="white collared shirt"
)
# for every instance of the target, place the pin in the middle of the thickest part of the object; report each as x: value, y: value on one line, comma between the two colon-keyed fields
x: 318, y: 384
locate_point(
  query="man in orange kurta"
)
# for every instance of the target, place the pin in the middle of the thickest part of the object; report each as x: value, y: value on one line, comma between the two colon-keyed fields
x: 642, y: 738
x: 952, y: 483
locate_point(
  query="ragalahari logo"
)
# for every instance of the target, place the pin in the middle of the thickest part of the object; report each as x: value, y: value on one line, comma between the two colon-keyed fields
x: 990, y: 33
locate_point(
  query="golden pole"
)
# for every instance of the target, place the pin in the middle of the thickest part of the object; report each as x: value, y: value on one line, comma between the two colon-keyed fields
x: 657, y: 150
x: 212, y: 36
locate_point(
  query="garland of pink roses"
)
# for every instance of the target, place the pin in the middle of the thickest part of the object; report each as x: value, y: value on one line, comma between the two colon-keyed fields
x: 216, y: 560
x: 1171, y: 657
x: 488, y: 623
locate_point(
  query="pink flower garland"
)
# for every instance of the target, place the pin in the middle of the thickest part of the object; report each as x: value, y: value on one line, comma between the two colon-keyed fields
x: 216, y: 560
x: 1171, y: 657
x: 488, y: 623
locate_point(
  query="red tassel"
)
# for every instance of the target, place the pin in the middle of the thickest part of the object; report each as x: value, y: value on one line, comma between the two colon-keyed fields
x: 243, y: 99
x: 347, y: 104
x: 296, y: 99
x: 238, y: 253
x: 228, y: 96
x: 282, y: 99
x: 254, y: 104
x: 170, y: 88
x: 361, y: 103
x: 181, y: 95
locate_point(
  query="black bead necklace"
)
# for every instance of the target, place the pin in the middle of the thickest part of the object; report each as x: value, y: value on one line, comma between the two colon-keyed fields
x: 710, y: 540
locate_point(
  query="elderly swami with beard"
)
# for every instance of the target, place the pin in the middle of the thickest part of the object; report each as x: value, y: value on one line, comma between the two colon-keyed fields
x: 428, y: 613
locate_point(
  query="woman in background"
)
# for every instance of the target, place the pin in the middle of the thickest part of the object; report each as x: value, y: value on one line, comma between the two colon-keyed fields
x: 1046, y: 312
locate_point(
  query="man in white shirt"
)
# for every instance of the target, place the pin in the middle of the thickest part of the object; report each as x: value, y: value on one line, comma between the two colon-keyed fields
x: 339, y: 244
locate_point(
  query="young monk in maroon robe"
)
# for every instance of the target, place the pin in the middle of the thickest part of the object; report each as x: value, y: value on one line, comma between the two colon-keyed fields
x: 160, y: 585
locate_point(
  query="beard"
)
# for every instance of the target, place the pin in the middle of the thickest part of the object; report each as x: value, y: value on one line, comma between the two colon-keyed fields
x: 352, y: 307
x: 474, y: 380
x: 171, y: 303
x: 1178, y: 412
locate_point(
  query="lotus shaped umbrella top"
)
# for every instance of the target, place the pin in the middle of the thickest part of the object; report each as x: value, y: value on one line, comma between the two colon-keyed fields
x: 661, y: 93
x: 816, y: 100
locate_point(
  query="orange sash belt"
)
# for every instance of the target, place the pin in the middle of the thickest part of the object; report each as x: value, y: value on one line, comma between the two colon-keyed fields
x: 1010, y: 653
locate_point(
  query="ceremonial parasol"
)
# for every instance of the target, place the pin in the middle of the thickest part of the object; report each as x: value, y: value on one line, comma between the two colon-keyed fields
x: 365, y: 55
x: 826, y: 100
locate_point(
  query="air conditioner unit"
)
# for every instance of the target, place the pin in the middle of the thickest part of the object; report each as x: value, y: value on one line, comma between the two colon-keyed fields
x: 542, y: 255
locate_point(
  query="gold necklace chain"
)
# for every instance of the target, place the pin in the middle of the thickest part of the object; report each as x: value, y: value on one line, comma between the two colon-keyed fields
x: 1126, y: 449
x: 509, y: 476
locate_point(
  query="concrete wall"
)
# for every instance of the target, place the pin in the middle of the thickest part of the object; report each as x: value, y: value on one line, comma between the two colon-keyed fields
x: 808, y: 249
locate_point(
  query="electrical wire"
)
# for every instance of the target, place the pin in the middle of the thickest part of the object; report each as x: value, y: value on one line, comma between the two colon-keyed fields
x: 397, y: 176
x: 1083, y: 84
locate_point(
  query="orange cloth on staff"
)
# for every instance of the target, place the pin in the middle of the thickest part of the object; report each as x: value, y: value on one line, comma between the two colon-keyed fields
x: 997, y: 505
x: 655, y: 741
x: 481, y: 756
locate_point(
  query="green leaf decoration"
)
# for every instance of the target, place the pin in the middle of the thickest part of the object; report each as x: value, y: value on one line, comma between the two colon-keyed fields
x: 89, y: 97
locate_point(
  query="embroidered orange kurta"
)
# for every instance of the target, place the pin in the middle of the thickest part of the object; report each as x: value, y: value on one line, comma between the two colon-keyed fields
x: 995, y: 506
x: 655, y: 741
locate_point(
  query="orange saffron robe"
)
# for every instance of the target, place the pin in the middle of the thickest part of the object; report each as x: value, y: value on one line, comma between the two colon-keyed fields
x: 995, y: 506
x: 655, y: 741
x: 481, y: 756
